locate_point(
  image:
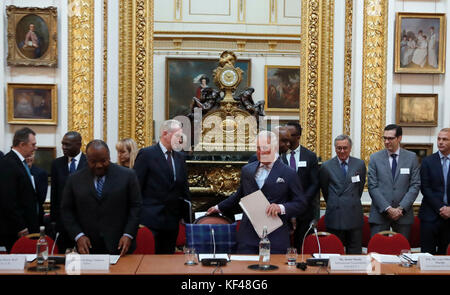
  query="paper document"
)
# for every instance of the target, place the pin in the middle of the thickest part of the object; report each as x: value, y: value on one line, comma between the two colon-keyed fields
x: 244, y: 258
x: 383, y: 258
x: 415, y: 256
x: 254, y: 206
x: 113, y: 259
x: 210, y: 256
x: 325, y: 255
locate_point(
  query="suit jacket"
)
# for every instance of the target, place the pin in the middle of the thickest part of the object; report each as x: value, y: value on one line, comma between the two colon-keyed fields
x: 105, y: 219
x: 41, y: 183
x: 309, y: 179
x: 343, y: 196
x: 162, y: 196
x: 59, y: 175
x: 400, y: 191
x: 288, y: 193
x: 1, y: 154
x: 18, y: 200
x: 432, y: 187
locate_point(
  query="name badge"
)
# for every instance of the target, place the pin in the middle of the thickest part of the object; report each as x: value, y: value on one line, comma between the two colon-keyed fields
x: 434, y: 262
x: 355, y: 179
x: 351, y: 263
x: 75, y: 263
x: 12, y: 262
x: 404, y: 171
x: 302, y: 164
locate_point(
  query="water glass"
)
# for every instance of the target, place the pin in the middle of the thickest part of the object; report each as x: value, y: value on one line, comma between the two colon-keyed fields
x: 291, y: 255
x: 189, y: 256
x: 404, y: 262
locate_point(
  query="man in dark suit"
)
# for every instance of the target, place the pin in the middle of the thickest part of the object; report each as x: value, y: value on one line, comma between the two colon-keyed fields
x: 101, y: 205
x: 305, y: 163
x: 394, y: 183
x: 281, y: 187
x: 40, y: 178
x: 19, y: 205
x: 73, y: 160
x: 162, y: 177
x: 1, y: 154
x: 434, y: 211
x: 342, y: 180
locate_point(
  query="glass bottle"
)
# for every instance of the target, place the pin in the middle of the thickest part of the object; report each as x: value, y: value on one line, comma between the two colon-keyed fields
x: 264, y: 250
x: 42, y: 251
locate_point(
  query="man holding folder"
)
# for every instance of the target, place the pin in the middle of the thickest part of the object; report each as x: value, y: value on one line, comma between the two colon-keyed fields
x: 279, y: 184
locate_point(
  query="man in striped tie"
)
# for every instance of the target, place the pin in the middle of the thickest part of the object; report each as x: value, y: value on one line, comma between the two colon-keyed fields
x: 101, y: 204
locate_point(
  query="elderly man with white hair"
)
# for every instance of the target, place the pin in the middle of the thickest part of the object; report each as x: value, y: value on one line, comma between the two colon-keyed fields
x: 162, y: 175
x: 281, y: 187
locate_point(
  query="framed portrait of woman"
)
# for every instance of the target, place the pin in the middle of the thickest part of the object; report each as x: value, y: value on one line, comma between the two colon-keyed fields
x: 420, y: 43
x: 32, y: 36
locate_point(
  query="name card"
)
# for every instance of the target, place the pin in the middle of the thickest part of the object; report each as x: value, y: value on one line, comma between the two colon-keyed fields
x: 75, y: 263
x: 302, y: 164
x: 434, y: 262
x: 12, y: 262
x: 404, y: 171
x: 350, y: 262
x: 355, y: 179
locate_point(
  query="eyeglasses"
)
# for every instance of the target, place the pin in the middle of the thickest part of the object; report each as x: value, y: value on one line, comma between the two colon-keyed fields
x: 389, y: 138
x: 341, y: 148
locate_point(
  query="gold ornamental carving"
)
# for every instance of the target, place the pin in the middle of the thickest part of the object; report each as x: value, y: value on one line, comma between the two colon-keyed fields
x: 348, y: 65
x: 105, y: 70
x: 374, y: 76
x: 81, y: 69
x: 136, y: 71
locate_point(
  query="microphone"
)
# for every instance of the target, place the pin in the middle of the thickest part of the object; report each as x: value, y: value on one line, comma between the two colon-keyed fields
x: 317, y: 261
x: 214, y: 261
x: 57, y: 259
x: 303, y: 265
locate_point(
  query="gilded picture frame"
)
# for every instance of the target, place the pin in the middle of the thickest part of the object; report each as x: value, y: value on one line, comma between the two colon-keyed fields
x: 35, y: 104
x: 282, y: 88
x: 416, y: 110
x: 32, y: 36
x: 183, y: 77
x: 420, y: 43
x: 422, y: 150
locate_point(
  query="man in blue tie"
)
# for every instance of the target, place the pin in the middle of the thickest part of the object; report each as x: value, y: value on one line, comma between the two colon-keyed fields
x: 19, y: 204
x: 73, y: 159
x: 434, y: 211
x: 101, y: 204
x: 394, y: 183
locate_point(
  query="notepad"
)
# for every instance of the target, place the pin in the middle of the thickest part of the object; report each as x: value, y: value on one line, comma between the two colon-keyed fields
x: 383, y: 258
x: 254, y: 205
x: 244, y: 258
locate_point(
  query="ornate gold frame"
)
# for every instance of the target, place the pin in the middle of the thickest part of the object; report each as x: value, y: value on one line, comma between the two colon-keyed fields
x: 54, y: 104
x: 136, y: 70
x: 50, y: 17
x: 433, y: 122
x: 266, y: 105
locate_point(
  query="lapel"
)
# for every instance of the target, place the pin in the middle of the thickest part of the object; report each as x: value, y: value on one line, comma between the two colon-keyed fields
x: 284, y: 159
x: 401, y: 161
x: 338, y: 169
x: 82, y: 163
x: 65, y: 166
x: 23, y: 170
x: 252, y: 168
x: 90, y: 179
x: 161, y: 158
x: 387, y: 166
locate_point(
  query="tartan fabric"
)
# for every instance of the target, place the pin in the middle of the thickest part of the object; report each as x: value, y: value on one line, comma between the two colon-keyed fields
x: 199, y: 236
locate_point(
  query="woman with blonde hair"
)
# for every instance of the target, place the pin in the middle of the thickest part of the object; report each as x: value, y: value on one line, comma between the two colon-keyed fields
x: 127, y: 151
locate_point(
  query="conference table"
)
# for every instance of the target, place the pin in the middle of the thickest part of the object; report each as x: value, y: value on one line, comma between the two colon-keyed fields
x: 143, y: 265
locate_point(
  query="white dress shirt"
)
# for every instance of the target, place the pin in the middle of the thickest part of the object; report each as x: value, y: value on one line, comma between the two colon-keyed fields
x: 77, y: 161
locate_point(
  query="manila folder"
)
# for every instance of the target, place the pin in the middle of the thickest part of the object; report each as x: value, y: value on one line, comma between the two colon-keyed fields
x: 254, y: 206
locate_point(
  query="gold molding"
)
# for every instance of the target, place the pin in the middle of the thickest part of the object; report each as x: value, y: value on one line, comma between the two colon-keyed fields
x: 81, y: 69
x: 316, y: 75
x: 348, y: 66
x: 136, y: 71
x: 374, y: 76
x: 105, y: 70
x: 273, y: 11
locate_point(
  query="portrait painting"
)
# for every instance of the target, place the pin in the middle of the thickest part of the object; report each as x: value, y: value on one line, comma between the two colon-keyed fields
x: 422, y: 150
x: 186, y: 77
x: 32, y: 37
x: 420, y: 43
x: 417, y: 110
x: 43, y: 158
x: 32, y: 104
x: 282, y: 88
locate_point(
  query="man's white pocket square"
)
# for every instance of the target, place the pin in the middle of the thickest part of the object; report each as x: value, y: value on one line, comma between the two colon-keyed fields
x: 280, y: 180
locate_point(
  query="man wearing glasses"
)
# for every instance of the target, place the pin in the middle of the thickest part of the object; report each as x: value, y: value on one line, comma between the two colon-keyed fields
x: 394, y: 183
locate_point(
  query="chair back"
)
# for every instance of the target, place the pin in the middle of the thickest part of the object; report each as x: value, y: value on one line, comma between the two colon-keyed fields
x: 388, y: 242
x: 145, y: 242
x: 181, y: 238
x: 27, y: 245
x: 414, y: 236
x: 329, y: 243
x: 366, y: 232
x: 448, y: 249
x: 199, y: 236
x: 213, y: 219
x: 321, y: 226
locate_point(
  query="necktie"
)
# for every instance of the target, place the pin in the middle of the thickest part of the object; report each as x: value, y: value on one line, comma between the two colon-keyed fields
x: 394, y: 164
x: 99, y: 189
x: 292, y: 161
x: 169, y: 162
x: 344, y: 168
x: 72, y: 166
x: 445, y: 163
x: 28, y: 172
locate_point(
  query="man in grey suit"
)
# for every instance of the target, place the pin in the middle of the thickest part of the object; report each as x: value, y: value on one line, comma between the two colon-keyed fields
x: 394, y: 183
x: 342, y: 180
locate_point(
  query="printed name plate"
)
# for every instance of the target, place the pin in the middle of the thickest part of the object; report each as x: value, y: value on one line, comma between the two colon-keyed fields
x: 434, y: 262
x: 12, y: 262
x: 350, y: 262
x: 77, y: 262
